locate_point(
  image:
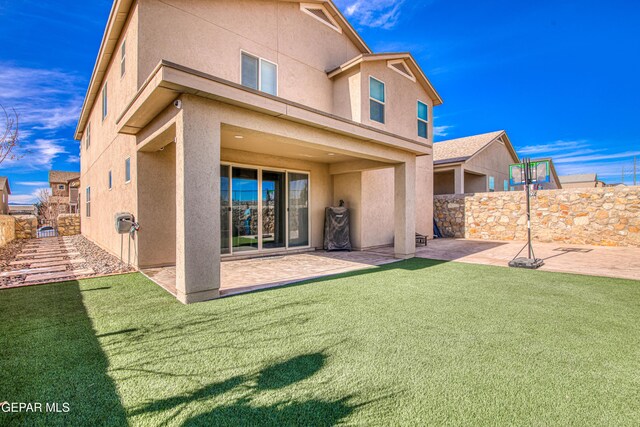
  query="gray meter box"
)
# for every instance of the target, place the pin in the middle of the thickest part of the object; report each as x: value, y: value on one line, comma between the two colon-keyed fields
x: 124, y: 220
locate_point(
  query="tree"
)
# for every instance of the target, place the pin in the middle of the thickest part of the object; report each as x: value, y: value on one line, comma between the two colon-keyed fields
x: 9, y: 136
x: 48, y: 207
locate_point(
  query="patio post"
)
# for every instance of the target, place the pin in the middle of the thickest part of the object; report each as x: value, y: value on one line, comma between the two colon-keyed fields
x: 197, y: 201
x: 458, y: 173
x: 405, y: 209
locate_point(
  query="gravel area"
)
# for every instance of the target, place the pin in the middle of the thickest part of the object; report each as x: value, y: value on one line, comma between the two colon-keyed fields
x: 9, y: 252
x: 98, y: 259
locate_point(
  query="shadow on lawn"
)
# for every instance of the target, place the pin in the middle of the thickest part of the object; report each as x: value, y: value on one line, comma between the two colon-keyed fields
x: 51, y: 354
x: 246, y: 411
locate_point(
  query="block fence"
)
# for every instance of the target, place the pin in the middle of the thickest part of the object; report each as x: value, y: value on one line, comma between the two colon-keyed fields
x: 68, y: 224
x: 7, y: 229
x: 591, y: 216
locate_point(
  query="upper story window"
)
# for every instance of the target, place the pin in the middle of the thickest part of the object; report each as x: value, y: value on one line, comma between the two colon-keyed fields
x: 259, y: 74
x: 123, y: 58
x: 423, y: 120
x: 376, y: 100
x: 320, y: 13
x: 127, y: 170
x: 61, y: 187
x: 104, y: 101
x: 110, y: 180
x: 87, y: 140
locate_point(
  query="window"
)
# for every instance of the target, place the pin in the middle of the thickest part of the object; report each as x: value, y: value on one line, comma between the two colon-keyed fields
x: 127, y: 170
x: 319, y: 12
x: 423, y: 120
x: 88, y: 137
x: 110, y: 180
x: 104, y: 101
x: 492, y: 184
x: 506, y: 185
x: 60, y: 186
x: 123, y: 58
x: 376, y: 100
x: 88, y: 201
x: 259, y: 74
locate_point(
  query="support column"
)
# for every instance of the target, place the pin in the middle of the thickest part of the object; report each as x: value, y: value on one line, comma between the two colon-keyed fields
x: 458, y: 173
x: 197, y: 202
x: 405, y: 209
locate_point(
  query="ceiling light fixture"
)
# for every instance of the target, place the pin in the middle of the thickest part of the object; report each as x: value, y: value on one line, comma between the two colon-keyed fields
x: 331, y: 154
x: 239, y: 137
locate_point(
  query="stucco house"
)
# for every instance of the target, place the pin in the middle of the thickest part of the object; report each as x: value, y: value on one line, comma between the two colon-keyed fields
x: 227, y: 127
x: 65, y: 187
x: 586, y: 180
x: 554, y: 180
x: 5, y: 191
x: 474, y: 164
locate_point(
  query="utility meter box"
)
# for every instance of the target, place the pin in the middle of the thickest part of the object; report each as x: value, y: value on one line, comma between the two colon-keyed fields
x: 124, y: 221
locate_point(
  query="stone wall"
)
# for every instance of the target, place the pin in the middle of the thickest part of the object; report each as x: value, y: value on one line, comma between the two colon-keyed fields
x: 68, y: 224
x: 7, y: 229
x: 593, y: 216
x: 26, y: 227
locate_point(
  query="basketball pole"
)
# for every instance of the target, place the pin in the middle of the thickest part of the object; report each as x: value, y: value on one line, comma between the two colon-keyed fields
x: 527, y: 169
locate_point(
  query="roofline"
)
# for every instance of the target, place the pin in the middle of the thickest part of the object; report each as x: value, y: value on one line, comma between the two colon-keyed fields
x: 6, y: 181
x: 464, y: 159
x: 113, y: 31
x: 387, y: 56
x: 553, y: 169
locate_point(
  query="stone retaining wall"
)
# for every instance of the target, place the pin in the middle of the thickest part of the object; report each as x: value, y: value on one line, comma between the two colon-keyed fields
x: 26, y: 227
x: 593, y: 216
x: 7, y: 229
x: 68, y: 224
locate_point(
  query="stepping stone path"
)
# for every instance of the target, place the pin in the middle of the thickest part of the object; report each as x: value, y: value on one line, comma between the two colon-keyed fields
x: 45, y: 260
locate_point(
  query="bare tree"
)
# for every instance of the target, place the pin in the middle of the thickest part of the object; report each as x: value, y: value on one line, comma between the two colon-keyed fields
x: 48, y: 206
x: 9, y: 136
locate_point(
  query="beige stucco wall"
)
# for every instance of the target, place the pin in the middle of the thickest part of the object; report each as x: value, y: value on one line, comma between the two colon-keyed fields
x: 303, y: 48
x: 568, y: 185
x: 494, y: 161
x: 7, y: 229
x: 108, y: 151
x: 401, y: 102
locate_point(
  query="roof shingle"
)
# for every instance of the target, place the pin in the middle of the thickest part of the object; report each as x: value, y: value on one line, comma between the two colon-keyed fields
x: 62, y: 176
x: 461, y: 149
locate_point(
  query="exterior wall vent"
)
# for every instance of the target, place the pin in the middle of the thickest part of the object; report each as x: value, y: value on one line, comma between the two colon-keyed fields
x: 320, y: 13
x: 401, y: 67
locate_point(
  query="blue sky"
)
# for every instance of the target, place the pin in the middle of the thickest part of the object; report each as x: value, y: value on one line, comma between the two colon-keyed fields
x: 561, y: 77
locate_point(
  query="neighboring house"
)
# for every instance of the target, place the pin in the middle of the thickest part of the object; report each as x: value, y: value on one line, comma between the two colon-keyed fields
x: 587, y: 180
x: 23, y: 210
x: 65, y: 187
x: 226, y: 128
x: 5, y: 191
x: 475, y: 164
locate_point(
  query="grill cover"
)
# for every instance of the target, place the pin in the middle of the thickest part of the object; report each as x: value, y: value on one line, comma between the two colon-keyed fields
x: 336, y: 229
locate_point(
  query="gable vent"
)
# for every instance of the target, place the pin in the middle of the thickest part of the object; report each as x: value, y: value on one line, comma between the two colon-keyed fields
x: 321, y: 14
x: 401, y: 67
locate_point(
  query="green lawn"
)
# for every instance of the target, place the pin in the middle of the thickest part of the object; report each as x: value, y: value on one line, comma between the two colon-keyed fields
x: 411, y: 343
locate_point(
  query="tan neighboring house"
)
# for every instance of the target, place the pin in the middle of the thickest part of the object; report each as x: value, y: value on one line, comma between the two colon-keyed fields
x: 554, y: 181
x: 227, y: 127
x: 5, y: 191
x: 65, y: 191
x: 18, y: 210
x: 587, y: 180
x: 474, y: 164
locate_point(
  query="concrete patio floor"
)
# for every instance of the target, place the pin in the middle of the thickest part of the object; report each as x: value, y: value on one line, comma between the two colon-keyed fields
x: 260, y: 273
x: 248, y: 275
x: 558, y: 257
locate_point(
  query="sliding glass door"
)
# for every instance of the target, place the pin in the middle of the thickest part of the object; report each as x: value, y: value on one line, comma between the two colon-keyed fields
x: 298, y: 209
x: 263, y: 209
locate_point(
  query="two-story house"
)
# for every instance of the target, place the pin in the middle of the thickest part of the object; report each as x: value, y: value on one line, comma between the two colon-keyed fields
x: 65, y: 187
x: 227, y: 127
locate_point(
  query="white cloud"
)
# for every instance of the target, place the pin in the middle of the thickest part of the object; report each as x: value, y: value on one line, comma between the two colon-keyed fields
x: 553, y: 147
x: 373, y: 13
x: 37, y: 155
x: 441, y: 130
x: 597, y: 157
x: 33, y: 183
x: 73, y: 159
x: 27, y: 198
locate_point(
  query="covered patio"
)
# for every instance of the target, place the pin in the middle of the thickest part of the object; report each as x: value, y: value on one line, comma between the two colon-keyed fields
x: 220, y: 180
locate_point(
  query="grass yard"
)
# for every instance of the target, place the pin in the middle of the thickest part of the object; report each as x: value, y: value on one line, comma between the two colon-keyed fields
x: 412, y: 343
